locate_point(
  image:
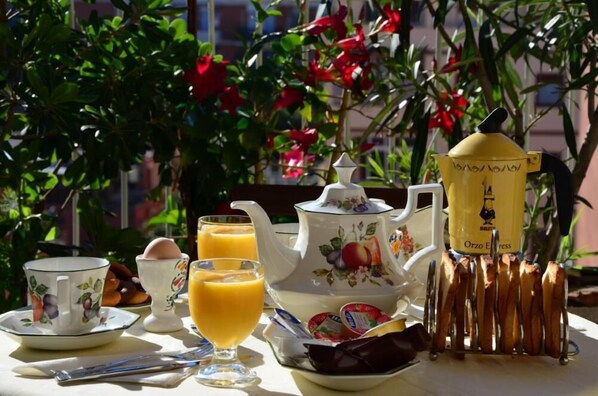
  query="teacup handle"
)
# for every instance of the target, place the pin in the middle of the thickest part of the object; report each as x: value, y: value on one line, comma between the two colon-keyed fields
x: 437, y: 241
x: 64, y: 301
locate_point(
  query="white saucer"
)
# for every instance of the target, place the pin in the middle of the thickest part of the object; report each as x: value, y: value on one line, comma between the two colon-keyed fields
x: 341, y: 382
x: 17, y: 325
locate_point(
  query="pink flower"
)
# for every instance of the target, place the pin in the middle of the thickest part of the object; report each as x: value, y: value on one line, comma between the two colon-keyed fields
x: 293, y: 162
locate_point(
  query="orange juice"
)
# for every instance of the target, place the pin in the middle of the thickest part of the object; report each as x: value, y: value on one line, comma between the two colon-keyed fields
x: 226, y: 305
x: 226, y: 241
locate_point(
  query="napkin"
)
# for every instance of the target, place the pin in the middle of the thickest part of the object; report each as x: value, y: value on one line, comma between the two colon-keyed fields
x: 166, y: 379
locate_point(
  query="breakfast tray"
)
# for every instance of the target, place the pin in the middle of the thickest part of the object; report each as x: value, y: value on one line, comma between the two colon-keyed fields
x: 471, y: 340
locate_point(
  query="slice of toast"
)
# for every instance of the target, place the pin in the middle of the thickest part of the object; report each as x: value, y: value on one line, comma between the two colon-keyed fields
x: 531, y: 307
x: 508, y: 320
x: 486, y: 318
x: 553, y: 293
x: 447, y: 289
x: 460, y: 301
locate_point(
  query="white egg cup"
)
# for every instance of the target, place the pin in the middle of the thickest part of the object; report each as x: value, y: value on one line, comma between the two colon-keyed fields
x: 163, y: 279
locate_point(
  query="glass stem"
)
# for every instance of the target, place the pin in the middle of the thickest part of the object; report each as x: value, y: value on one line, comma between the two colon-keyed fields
x: 224, y: 356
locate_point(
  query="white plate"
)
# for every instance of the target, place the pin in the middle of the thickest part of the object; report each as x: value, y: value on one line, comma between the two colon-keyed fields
x: 341, y: 382
x: 16, y: 324
x: 352, y: 382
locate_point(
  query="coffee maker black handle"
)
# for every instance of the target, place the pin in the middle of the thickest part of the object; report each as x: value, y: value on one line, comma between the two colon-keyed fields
x: 563, y: 183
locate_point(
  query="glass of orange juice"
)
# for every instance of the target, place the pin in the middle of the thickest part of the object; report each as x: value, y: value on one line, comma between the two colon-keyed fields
x: 226, y: 305
x: 221, y: 236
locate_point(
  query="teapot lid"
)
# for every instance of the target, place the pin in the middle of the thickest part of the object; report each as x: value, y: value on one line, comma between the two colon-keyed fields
x: 488, y: 143
x: 344, y: 197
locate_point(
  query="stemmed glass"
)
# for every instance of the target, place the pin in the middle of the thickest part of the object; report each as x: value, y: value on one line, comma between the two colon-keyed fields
x: 226, y: 297
x: 226, y: 236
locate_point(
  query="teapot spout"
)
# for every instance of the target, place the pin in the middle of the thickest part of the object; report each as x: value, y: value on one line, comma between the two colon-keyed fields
x: 279, y: 260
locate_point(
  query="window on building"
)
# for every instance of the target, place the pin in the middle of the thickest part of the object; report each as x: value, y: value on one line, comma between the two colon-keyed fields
x: 549, y: 94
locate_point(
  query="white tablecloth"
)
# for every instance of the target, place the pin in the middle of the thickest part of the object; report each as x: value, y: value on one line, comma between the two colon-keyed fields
x: 476, y: 375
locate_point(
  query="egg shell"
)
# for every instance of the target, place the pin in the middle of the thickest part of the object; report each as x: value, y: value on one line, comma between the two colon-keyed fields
x: 161, y: 248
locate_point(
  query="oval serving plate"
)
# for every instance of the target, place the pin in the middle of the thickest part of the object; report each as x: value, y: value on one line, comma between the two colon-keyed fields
x: 17, y: 325
x: 341, y: 382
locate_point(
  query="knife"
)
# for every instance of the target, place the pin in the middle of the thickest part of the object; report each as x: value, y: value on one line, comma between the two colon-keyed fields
x: 64, y: 376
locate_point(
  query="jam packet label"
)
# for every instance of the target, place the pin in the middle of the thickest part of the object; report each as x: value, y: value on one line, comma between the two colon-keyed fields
x: 326, y: 326
x: 358, y: 318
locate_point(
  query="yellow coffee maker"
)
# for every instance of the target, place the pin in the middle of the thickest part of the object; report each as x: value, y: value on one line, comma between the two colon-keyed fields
x: 484, y: 178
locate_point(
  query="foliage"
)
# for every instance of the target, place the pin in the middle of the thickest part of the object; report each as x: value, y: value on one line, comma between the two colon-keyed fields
x: 77, y: 107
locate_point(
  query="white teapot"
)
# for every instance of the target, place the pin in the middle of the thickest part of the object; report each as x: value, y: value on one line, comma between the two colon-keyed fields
x: 342, y: 252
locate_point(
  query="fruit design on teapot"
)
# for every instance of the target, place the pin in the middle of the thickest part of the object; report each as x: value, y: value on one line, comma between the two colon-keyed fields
x: 354, y: 256
x: 402, y: 244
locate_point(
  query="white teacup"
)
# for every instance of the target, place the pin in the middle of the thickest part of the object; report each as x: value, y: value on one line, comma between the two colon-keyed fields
x: 66, y: 292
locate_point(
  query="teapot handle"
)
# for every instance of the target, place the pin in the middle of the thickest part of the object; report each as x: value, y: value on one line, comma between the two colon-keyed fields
x: 437, y: 242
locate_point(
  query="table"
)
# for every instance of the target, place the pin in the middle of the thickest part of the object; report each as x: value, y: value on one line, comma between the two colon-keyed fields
x: 476, y: 375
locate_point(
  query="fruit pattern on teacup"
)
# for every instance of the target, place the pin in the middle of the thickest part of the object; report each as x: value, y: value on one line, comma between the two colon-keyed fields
x: 45, y: 305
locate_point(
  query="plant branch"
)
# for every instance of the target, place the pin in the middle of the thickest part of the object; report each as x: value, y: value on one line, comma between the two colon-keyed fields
x: 338, y: 139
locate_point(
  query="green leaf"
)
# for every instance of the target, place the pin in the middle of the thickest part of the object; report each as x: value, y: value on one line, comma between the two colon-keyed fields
x: 517, y: 37
x: 65, y: 92
x: 487, y: 52
x: 371, y: 229
x: 419, y: 147
x: 41, y: 289
x: 32, y: 282
x: 83, y: 297
x: 52, y: 234
x: 593, y: 12
x: 326, y: 249
x: 336, y: 243
x: 39, y: 88
x: 569, y: 132
x: 290, y: 41
x: 98, y: 286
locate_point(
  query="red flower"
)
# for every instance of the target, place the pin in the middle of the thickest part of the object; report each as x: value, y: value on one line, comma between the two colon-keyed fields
x: 288, y: 97
x: 366, y: 147
x: 354, y: 50
x: 304, y: 138
x: 230, y: 100
x: 447, y: 113
x: 316, y: 74
x: 207, y: 78
x: 356, y: 78
x: 452, y: 61
x: 335, y: 22
x: 392, y: 23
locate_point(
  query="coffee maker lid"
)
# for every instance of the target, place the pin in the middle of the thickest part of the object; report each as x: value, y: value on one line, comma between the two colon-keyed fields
x: 489, y: 143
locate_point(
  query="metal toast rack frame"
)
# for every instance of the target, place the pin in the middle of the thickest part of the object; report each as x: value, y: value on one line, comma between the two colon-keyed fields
x: 429, y: 320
